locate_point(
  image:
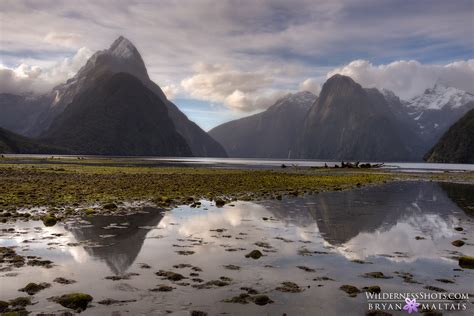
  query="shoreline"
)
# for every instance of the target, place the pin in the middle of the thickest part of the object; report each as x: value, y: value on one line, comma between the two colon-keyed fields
x: 83, y: 187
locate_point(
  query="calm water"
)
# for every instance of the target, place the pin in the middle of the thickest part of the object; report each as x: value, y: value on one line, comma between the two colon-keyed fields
x: 265, y: 163
x: 338, y: 235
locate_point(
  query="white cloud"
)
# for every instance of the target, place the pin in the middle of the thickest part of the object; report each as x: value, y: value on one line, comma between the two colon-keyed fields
x: 409, y: 78
x: 170, y: 91
x: 311, y: 85
x: 63, y: 39
x: 238, y: 90
x: 34, y: 79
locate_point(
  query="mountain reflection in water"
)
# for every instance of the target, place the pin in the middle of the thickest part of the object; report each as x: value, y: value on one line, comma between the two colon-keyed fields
x: 360, y: 223
x: 119, y: 239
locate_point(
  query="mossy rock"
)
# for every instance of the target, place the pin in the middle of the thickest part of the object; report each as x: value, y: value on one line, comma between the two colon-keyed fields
x: 49, y: 220
x: 75, y: 301
x: 89, y: 211
x: 375, y: 289
x: 261, y: 299
x: 350, y: 289
x: 110, y: 206
x: 21, y: 301
x: 33, y: 288
x: 254, y: 254
x: 466, y: 262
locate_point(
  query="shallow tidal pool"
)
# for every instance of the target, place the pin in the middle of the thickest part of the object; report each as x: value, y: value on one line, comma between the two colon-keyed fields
x: 201, y: 259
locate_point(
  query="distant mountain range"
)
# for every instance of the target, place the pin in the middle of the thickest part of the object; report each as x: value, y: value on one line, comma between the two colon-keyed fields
x: 270, y: 134
x: 121, y: 57
x: 111, y: 107
x: 346, y: 122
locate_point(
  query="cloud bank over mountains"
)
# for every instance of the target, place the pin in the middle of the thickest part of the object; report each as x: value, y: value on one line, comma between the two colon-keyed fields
x: 249, y: 54
x: 409, y: 78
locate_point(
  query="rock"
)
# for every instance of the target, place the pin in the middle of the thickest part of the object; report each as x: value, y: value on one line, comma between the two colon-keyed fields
x: 376, y: 275
x: 232, y: 267
x: 377, y: 313
x: 162, y: 288
x: 220, y: 203
x: 459, y: 229
x: 420, y: 238
x: 111, y: 301
x: 170, y: 275
x: 261, y: 299
x: 242, y: 298
x: 75, y: 301
x: 49, y: 220
x: 33, y: 288
x: 20, y: 301
x: 372, y: 289
x: 458, y: 243
x: 435, y: 289
x: 350, y: 289
x: 211, y: 284
x: 304, y: 268
x: 40, y: 263
x: 466, y: 262
x: 445, y: 281
x: 254, y: 254
x: 289, y: 287
x: 62, y: 280
x: 110, y: 206
x: 198, y: 313
x: 3, y: 306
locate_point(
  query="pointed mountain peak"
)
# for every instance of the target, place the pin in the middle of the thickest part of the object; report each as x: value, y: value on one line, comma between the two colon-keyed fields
x: 123, y: 48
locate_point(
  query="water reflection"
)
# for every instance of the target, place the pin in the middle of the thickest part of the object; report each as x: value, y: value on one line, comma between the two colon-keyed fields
x: 116, y: 240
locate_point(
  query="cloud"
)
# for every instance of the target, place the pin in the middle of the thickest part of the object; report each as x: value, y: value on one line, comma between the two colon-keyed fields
x: 311, y: 85
x: 409, y: 78
x: 63, y: 39
x: 170, y: 91
x: 238, y: 90
x: 34, y: 79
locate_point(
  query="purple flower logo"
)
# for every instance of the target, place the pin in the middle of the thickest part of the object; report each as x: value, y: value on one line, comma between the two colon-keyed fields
x: 411, y: 305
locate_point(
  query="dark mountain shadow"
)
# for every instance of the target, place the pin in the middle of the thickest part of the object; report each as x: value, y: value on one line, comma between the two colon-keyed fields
x: 462, y: 195
x: 341, y: 216
x: 118, y: 251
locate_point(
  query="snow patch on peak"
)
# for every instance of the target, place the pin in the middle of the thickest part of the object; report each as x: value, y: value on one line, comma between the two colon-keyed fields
x: 301, y: 98
x: 123, y: 48
x: 441, y: 96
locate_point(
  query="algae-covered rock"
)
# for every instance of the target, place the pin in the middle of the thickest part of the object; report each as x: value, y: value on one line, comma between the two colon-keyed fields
x: 350, y: 289
x: 170, y: 275
x: 261, y: 299
x: 254, y: 254
x: 75, y: 301
x: 20, y: 301
x: 466, y: 262
x: 49, y: 220
x: 289, y: 287
x: 372, y: 289
x: 33, y: 288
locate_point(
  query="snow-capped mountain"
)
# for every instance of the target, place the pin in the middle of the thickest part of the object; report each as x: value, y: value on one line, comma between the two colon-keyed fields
x: 434, y: 111
x: 440, y: 97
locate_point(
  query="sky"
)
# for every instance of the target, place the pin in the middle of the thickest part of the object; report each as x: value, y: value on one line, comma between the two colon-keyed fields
x: 221, y: 60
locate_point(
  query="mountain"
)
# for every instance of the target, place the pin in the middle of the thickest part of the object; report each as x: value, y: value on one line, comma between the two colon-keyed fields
x: 117, y: 115
x: 121, y: 57
x: 352, y: 123
x: 270, y: 134
x: 457, y: 144
x: 11, y: 143
x: 437, y: 109
x: 20, y: 112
